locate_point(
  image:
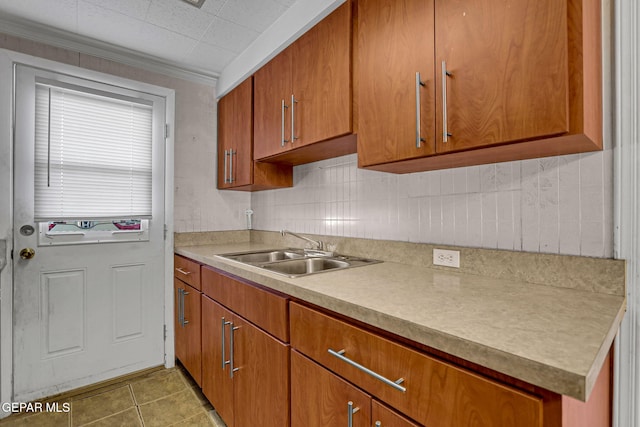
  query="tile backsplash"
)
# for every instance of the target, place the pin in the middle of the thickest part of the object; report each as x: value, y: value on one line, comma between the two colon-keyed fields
x: 552, y: 205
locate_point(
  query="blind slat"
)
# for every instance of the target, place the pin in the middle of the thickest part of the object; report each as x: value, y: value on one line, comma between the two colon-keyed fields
x: 93, y: 159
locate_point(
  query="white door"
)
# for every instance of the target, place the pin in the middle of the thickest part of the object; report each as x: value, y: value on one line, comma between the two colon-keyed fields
x: 89, y: 299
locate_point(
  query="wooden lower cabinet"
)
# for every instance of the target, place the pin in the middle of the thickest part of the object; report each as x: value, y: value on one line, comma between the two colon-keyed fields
x: 320, y: 398
x: 217, y: 384
x: 245, y: 370
x: 187, y: 328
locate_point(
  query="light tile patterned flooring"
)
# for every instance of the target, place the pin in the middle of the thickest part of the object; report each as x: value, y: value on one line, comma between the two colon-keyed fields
x: 166, y: 397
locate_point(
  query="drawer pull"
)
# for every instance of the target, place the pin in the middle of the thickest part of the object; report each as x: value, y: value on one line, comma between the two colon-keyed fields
x: 395, y: 384
x: 224, y: 362
x: 180, y: 270
x: 350, y: 411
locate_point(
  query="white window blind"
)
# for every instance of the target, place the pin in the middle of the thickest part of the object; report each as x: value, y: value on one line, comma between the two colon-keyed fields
x: 93, y: 156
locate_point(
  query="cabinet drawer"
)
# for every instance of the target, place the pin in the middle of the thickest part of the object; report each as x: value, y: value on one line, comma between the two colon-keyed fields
x: 186, y: 270
x: 265, y: 309
x: 436, y: 394
x: 217, y: 286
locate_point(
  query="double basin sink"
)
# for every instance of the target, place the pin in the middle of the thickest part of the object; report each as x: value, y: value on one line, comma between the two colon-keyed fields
x: 297, y: 262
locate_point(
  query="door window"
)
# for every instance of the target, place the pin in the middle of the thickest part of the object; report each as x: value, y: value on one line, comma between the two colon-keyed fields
x: 93, y: 173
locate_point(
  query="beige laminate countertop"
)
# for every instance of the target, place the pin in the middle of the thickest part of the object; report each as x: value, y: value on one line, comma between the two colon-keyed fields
x: 552, y: 337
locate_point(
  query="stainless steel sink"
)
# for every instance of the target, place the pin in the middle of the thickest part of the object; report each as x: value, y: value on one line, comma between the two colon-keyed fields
x: 265, y: 256
x: 297, y: 262
x: 299, y: 267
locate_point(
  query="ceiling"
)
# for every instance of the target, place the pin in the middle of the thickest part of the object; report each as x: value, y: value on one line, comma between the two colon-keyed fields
x: 171, y: 32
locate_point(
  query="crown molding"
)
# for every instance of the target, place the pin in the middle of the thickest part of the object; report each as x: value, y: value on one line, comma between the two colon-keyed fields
x: 64, y: 39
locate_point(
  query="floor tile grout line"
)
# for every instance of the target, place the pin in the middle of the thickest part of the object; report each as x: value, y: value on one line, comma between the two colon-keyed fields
x: 142, y: 423
x: 163, y: 397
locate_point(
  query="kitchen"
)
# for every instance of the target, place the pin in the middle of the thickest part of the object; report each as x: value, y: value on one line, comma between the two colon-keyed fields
x: 370, y: 206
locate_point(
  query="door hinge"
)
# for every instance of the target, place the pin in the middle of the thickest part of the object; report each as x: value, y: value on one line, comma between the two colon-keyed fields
x: 166, y: 130
x: 166, y: 230
x: 164, y: 331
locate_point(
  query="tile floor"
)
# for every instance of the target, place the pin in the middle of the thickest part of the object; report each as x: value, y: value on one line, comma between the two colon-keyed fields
x: 166, y: 397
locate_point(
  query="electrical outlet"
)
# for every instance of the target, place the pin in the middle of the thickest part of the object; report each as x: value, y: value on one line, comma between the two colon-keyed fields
x: 446, y: 258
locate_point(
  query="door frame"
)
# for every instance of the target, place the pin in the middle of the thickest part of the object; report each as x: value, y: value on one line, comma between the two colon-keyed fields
x: 7, y: 60
x: 627, y: 208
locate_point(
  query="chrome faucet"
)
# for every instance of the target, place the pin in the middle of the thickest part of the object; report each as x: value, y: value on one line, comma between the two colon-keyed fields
x: 319, y: 244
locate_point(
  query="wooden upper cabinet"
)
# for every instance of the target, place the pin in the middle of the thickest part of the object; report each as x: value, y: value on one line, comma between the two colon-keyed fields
x: 235, y: 136
x: 236, y: 168
x: 322, y: 80
x: 501, y: 81
x: 272, y: 116
x: 303, y: 96
x: 507, y: 71
x: 396, y: 110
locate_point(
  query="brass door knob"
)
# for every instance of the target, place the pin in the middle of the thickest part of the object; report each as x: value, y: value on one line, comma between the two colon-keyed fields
x: 27, y: 253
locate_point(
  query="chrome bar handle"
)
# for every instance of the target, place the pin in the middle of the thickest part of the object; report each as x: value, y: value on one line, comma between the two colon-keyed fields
x: 231, y: 154
x: 445, y: 74
x: 180, y: 270
x: 350, y: 411
x: 225, y: 166
x: 419, y: 83
x: 283, y: 141
x: 395, y: 384
x: 231, y: 353
x: 224, y: 362
x: 293, y: 119
x: 184, y: 321
x: 180, y: 307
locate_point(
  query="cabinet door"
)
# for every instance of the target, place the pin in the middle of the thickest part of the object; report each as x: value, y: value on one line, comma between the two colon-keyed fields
x: 272, y: 113
x: 261, y: 382
x: 180, y: 333
x: 508, y: 71
x: 322, y: 80
x: 395, y: 41
x: 385, y: 417
x: 188, y: 343
x: 235, y: 136
x: 217, y: 384
x: 320, y: 398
